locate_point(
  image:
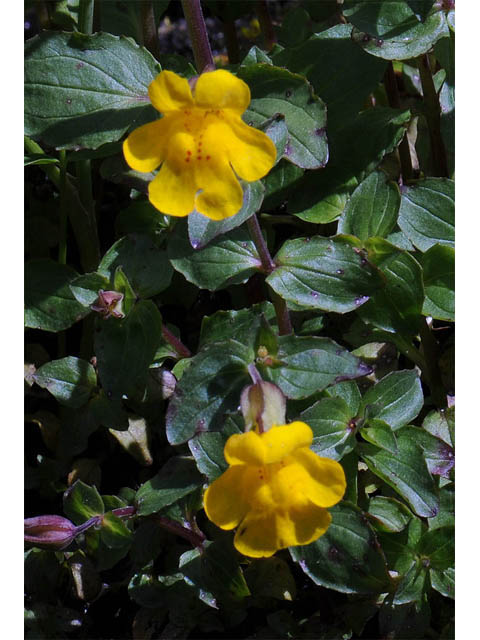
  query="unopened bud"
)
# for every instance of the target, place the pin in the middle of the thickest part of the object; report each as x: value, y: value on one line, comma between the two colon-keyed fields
x: 263, y: 404
x: 49, y: 532
x: 108, y: 304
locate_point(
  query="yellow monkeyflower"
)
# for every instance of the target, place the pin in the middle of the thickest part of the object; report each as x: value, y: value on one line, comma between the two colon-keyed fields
x: 276, y: 490
x: 201, y: 143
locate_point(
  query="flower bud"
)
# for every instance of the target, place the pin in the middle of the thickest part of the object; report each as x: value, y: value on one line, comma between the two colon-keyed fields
x: 49, y: 532
x: 108, y: 304
x: 263, y: 405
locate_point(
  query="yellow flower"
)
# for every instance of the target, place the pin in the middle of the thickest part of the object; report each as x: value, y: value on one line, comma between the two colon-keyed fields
x: 275, y: 490
x: 197, y: 142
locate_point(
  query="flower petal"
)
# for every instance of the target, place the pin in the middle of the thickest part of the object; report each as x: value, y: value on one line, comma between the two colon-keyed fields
x: 250, y: 151
x: 245, y: 448
x: 262, y: 533
x: 225, y: 499
x: 146, y: 147
x: 170, y: 92
x: 280, y: 441
x: 172, y: 191
x: 326, y: 483
x: 222, y: 195
x: 220, y: 89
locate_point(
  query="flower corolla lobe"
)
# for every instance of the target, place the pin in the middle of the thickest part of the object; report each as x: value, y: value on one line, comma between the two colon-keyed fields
x: 201, y: 143
x: 276, y: 490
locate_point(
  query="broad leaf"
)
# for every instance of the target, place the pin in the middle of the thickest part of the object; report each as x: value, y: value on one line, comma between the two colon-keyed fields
x: 412, y: 585
x: 438, y: 265
x: 388, y: 514
x: 347, y: 557
x: 229, y: 259
x: 427, y: 212
x: 438, y: 545
x: 277, y: 90
x: 406, y: 472
x: 372, y: 209
x: 114, y: 532
x: 212, y: 383
x: 396, y: 399
x: 244, y: 324
x: 85, y: 288
x: 443, y: 582
x: 323, y: 273
x: 49, y: 303
x: 70, y: 380
x: 83, y: 91
x: 81, y: 502
x: 380, y: 434
x: 304, y: 366
x: 207, y: 449
x: 439, y: 455
x: 145, y: 265
x: 177, y: 478
x: 125, y: 349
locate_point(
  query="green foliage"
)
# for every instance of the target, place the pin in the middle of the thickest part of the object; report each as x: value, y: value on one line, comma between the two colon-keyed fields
x: 334, y: 282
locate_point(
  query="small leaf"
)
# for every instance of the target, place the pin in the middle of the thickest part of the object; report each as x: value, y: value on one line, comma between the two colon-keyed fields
x: 270, y: 578
x: 329, y: 419
x: 144, y: 264
x: 439, y: 456
x: 372, y: 209
x: 427, y: 212
x: 229, y: 259
x: 438, y: 545
x: 177, y: 478
x: 347, y: 557
x: 438, y: 265
x: 207, y: 449
x: 81, y: 502
x: 323, y: 273
x: 388, y: 514
x: 85, y: 288
x: 70, y: 380
x: 380, y: 434
x: 412, y: 585
x: 244, y: 324
x: 443, y: 582
x: 49, y: 303
x: 308, y: 365
x: 114, y: 533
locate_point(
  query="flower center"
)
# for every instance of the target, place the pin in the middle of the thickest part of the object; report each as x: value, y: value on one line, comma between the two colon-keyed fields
x: 195, y: 123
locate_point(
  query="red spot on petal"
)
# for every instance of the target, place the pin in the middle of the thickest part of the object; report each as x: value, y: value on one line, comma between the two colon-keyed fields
x: 189, y: 153
x: 208, y: 158
x: 187, y: 159
x: 199, y: 157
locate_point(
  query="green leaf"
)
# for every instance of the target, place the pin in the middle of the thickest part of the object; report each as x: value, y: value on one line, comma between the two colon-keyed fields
x: 177, y: 478
x: 332, y: 54
x: 436, y: 423
x: 446, y: 513
x: 81, y: 502
x: 412, y: 585
x: 125, y: 349
x: 380, y: 434
x: 398, y: 305
x: 114, y: 533
x: 372, y: 209
x: 49, y: 303
x: 329, y: 419
x: 406, y: 472
x: 145, y: 265
x: 276, y: 90
x: 396, y: 399
x: 229, y: 259
x: 438, y: 265
x: 244, y: 324
x: 212, y: 383
x: 438, y: 545
x: 305, y: 366
x: 207, y: 449
x: 202, y: 230
x: 254, y: 56
x: 443, y: 582
x: 143, y: 218
x: 85, y: 288
x: 347, y: 557
x: 439, y: 456
x: 70, y: 380
x: 348, y: 391
x: 323, y: 273
x: 388, y: 514
x: 83, y: 91
x: 295, y: 28
x: 39, y: 159
x: 427, y: 212
x: 279, y: 183
x: 391, y: 30
x: 270, y: 578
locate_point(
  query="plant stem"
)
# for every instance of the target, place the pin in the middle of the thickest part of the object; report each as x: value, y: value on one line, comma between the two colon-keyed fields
x: 195, y: 539
x: 192, y: 10
x: 281, y: 309
x: 176, y: 343
x: 393, y: 95
x: 149, y: 28
x: 432, y: 114
x: 432, y: 370
x: 83, y: 223
x: 62, y: 242
x: 231, y: 41
x: 85, y: 16
x: 266, y: 24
